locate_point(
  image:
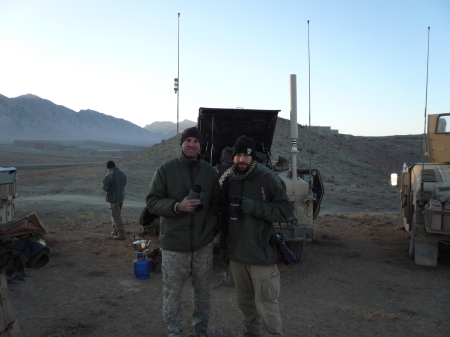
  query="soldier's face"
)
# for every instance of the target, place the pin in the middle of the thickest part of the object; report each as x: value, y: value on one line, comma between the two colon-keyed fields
x: 191, y: 147
x: 243, y: 161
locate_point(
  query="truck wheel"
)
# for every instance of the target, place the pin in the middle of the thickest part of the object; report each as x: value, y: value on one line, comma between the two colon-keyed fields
x: 296, y: 248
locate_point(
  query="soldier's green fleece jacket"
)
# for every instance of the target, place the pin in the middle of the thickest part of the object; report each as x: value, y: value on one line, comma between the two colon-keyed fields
x: 183, y: 232
x: 247, y: 238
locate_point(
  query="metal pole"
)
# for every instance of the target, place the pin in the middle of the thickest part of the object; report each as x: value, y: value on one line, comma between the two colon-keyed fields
x: 309, y: 108
x: 421, y: 194
x: 294, y: 127
x: 178, y: 91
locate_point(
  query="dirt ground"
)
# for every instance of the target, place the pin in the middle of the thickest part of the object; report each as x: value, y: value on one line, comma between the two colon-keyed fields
x: 355, y: 279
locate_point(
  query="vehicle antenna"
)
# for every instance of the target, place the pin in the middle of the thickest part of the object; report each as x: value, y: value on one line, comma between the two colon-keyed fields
x: 177, y: 83
x: 294, y: 125
x: 425, y: 116
x: 309, y: 109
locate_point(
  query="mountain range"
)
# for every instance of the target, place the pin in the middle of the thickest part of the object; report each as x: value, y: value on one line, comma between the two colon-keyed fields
x: 168, y: 129
x: 29, y: 117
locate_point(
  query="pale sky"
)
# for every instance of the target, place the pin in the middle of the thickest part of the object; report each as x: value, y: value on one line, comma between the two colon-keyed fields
x: 120, y: 58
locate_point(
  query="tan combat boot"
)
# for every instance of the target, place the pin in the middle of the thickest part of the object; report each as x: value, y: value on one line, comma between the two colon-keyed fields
x: 119, y: 236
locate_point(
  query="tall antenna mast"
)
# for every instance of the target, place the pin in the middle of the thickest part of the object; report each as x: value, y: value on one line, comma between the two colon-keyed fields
x: 294, y: 125
x: 425, y: 114
x: 309, y: 110
x: 176, y: 88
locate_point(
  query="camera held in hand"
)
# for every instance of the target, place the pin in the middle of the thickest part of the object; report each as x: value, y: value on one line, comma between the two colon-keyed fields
x: 278, y: 241
x: 196, y: 193
x: 234, y: 206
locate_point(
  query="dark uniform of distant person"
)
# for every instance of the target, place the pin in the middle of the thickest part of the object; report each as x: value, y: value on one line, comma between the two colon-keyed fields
x: 187, y: 230
x: 114, y: 186
x: 244, y: 240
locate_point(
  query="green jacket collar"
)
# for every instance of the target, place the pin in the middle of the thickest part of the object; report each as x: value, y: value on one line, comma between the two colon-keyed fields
x: 186, y: 161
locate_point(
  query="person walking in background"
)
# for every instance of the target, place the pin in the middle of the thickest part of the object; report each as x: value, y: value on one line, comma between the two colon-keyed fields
x: 253, y: 199
x: 114, y: 186
x: 185, y: 194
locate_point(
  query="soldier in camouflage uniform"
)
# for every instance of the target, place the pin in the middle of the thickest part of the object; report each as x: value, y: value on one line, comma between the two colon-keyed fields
x: 114, y: 186
x: 187, y: 229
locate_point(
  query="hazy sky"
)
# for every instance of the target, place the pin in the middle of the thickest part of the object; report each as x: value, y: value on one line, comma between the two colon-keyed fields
x: 368, y: 58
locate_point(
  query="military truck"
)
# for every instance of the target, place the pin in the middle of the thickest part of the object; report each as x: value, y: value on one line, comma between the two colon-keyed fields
x: 221, y: 127
x: 425, y: 194
x: 7, y: 193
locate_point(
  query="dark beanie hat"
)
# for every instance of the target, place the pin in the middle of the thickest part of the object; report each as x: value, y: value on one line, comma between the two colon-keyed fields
x: 191, y: 132
x: 244, y: 144
x: 110, y: 164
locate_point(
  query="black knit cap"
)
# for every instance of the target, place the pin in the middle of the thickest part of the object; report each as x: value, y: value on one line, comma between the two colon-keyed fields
x: 110, y: 164
x: 244, y: 144
x: 191, y: 132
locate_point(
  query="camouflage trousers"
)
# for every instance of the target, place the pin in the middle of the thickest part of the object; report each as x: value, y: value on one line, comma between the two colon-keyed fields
x: 115, y: 210
x: 257, y: 290
x: 176, y: 268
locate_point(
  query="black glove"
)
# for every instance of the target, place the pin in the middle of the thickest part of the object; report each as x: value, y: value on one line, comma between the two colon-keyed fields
x: 224, y: 255
x: 248, y: 206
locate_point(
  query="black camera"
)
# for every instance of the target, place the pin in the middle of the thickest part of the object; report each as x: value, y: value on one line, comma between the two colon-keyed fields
x: 278, y: 241
x: 234, y: 206
x: 196, y: 193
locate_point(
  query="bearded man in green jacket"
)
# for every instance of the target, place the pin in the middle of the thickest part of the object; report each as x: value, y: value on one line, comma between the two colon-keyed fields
x: 189, y: 220
x: 254, y: 198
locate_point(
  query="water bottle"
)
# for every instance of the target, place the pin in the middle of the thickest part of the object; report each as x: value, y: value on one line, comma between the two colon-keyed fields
x: 405, y: 168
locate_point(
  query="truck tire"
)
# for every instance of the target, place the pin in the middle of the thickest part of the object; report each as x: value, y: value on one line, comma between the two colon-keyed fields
x: 296, y: 248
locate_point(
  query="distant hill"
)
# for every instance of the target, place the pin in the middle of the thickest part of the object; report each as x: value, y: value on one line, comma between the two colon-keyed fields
x: 30, y: 117
x: 168, y: 129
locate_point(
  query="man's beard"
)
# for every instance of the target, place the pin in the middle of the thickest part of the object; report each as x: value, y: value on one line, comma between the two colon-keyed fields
x: 239, y: 174
x: 243, y: 169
